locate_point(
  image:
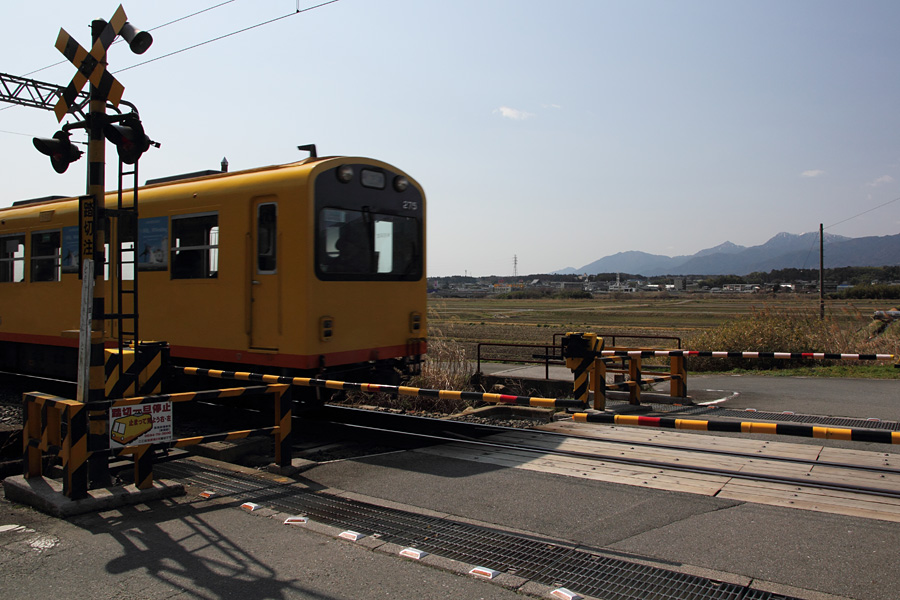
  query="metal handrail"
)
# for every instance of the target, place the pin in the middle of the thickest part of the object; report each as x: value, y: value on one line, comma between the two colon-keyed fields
x: 545, y: 359
x: 612, y: 337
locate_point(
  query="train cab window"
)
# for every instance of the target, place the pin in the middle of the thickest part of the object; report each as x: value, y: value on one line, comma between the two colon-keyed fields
x: 362, y: 245
x: 195, y: 246
x: 45, y: 256
x: 12, y: 258
x: 266, y: 230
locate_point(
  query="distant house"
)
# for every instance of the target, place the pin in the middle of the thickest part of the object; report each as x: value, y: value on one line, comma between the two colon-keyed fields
x: 741, y: 288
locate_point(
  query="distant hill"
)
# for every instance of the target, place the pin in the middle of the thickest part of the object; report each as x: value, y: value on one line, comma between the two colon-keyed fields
x: 785, y: 250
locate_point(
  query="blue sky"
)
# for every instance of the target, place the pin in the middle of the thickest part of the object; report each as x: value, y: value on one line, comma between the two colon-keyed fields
x: 553, y: 132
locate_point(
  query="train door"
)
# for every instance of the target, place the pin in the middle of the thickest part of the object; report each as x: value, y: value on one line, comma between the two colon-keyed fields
x: 265, y: 281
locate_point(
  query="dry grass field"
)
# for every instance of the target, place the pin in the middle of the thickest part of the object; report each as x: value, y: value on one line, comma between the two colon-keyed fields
x: 701, y: 322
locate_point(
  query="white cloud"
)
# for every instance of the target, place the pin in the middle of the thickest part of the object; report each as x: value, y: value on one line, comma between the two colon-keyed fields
x: 812, y: 173
x: 557, y: 106
x: 881, y: 181
x: 514, y: 113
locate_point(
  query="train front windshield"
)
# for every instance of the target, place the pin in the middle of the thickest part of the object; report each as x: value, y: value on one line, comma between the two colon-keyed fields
x: 368, y: 226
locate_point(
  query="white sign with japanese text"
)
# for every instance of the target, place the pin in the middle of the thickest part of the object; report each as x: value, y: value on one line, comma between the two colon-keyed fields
x: 140, y: 424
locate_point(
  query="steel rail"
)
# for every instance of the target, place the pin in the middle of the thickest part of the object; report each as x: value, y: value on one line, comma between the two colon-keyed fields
x: 747, y: 475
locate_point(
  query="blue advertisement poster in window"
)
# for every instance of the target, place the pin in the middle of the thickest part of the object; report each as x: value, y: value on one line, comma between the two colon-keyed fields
x: 153, y: 244
x: 70, y: 249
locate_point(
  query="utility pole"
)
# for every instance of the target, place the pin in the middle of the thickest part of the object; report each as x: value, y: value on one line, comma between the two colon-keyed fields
x: 821, y: 272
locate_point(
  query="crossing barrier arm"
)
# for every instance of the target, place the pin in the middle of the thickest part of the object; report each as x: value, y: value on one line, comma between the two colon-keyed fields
x: 801, y: 430
x: 487, y: 397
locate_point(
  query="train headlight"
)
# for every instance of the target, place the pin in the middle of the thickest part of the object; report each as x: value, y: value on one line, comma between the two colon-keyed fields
x: 401, y: 183
x: 345, y: 173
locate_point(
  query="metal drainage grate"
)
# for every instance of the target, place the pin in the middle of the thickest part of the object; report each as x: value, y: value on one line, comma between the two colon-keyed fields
x: 543, y: 561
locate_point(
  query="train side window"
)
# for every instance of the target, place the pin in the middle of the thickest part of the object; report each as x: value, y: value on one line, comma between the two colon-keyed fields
x: 266, y: 231
x: 195, y: 246
x: 45, y: 255
x: 12, y: 258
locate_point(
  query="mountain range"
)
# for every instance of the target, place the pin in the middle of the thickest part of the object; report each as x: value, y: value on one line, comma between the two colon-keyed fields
x: 784, y: 251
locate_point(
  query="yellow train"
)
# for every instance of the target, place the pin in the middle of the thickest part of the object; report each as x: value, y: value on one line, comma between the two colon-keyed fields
x: 311, y: 268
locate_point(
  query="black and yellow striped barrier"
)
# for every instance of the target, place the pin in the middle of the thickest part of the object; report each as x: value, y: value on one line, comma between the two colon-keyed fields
x: 387, y: 389
x: 811, y: 431
x: 54, y: 424
x: 59, y: 425
x: 730, y: 354
x: 281, y: 431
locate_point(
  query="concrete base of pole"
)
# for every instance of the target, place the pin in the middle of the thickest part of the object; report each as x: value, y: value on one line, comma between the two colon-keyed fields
x: 46, y: 495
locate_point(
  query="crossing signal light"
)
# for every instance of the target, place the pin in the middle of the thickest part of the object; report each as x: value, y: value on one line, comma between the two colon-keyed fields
x: 60, y: 150
x: 129, y: 137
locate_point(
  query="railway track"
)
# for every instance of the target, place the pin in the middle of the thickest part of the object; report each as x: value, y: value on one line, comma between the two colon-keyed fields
x: 760, y: 469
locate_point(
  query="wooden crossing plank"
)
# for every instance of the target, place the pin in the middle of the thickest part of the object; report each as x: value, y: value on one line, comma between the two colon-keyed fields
x: 844, y: 503
x: 682, y: 458
x: 757, y: 445
x: 860, y: 457
x: 707, y: 485
x: 771, y: 493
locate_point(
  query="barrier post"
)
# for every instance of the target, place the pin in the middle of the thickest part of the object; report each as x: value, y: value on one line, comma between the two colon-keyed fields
x: 75, y: 451
x: 634, y: 374
x: 32, y: 431
x: 580, y: 350
x: 144, y: 458
x: 599, y: 382
x: 284, y: 437
x: 678, y: 384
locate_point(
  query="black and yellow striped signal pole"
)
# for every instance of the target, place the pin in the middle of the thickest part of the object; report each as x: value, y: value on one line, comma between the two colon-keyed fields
x: 98, y: 463
x: 104, y: 88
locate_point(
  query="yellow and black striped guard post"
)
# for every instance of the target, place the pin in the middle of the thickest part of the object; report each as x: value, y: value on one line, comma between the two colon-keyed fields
x: 46, y: 417
x: 135, y: 371
x: 580, y: 351
x: 75, y: 452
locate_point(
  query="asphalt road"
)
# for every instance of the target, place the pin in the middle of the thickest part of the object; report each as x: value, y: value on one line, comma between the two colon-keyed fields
x: 832, y: 396
x: 193, y: 548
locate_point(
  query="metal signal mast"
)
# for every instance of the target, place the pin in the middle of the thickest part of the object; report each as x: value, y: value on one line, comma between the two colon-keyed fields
x: 96, y: 220
x: 36, y: 94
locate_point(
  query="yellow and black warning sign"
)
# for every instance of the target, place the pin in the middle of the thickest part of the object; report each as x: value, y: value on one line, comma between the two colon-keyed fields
x: 91, y: 65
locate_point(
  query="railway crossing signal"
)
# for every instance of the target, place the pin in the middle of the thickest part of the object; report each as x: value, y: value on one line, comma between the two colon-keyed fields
x: 129, y: 137
x: 91, y: 65
x: 60, y: 150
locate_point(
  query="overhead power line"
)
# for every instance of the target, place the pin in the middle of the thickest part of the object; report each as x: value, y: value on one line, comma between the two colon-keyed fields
x: 199, y: 12
x: 863, y: 212
x: 227, y: 35
x: 297, y: 11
